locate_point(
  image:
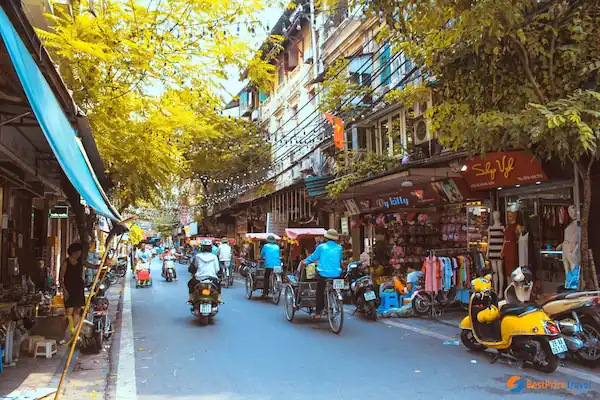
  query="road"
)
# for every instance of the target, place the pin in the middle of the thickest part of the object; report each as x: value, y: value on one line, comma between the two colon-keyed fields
x: 253, y: 353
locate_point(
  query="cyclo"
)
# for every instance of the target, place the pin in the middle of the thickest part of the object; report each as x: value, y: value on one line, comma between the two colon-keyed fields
x: 301, y: 295
x: 256, y: 269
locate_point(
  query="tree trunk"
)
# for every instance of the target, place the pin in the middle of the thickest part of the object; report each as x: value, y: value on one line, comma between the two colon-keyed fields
x: 588, y: 269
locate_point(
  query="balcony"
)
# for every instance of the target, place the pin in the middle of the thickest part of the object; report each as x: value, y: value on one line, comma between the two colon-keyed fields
x: 288, y: 88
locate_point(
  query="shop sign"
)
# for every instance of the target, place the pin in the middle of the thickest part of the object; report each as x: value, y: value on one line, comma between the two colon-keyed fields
x: 404, y: 198
x: 503, y: 169
x: 59, y: 212
x: 345, y: 226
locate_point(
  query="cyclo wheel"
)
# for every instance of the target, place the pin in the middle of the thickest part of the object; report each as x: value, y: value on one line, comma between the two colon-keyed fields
x: 249, y: 289
x: 335, y: 310
x: 290, y: 306
x: 276, y: 287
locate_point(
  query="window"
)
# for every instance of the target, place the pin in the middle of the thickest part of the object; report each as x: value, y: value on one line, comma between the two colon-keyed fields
x: 263, y: 96
x: 385, y: 137
x: 361, y: 138
x: 384, y: 65
x: 244, y: 100
x: 294, y: 113
x: 361, y: 69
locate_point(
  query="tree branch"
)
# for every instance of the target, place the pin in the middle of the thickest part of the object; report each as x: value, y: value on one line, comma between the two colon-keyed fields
x: 525, y: 61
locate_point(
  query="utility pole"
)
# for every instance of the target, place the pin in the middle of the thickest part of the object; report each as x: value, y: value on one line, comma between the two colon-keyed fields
x: 315, y: 45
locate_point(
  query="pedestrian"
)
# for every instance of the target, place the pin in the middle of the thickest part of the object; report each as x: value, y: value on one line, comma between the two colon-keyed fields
x: 271, y: 253
x: 329, y: 256
x: 72, y: 285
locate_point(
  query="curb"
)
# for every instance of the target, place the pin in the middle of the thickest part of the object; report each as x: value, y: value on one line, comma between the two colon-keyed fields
x: 113, y: 357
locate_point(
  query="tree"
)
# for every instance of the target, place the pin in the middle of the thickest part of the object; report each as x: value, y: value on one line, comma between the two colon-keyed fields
x: 510, y: 74
x: 146, y: 75
x: 136, y: 235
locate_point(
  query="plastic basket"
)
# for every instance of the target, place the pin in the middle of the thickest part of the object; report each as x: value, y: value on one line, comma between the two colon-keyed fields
x: 143, y: 275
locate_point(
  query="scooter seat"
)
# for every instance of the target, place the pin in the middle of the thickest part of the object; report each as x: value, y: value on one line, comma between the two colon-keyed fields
x: 516, y: 309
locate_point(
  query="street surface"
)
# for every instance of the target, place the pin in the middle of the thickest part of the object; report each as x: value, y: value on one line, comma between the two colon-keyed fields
x: 253, y: 352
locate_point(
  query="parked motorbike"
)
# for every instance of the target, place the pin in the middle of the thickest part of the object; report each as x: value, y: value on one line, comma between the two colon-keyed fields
x: 205, y: 300
x: 578, y: 316
x: 121, y: 267
x: 99, y: 329
x: 361, y: 290
x: 169, y: 270
x: 522, y: 331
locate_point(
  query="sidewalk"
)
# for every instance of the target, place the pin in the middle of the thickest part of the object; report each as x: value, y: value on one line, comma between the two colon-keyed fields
x: 90, y: 376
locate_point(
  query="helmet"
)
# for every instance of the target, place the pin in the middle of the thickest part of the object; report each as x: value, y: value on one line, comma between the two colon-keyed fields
x: 522, y: 284
x: 205, y: 242
x: 521, y: 275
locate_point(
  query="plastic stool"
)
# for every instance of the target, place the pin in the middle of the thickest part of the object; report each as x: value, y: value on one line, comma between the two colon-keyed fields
x: 388, y: 300
x: 46, y: 347
x: 29, y: 343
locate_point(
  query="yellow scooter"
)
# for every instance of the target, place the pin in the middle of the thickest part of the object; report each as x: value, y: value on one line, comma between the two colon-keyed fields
x: 520, y: 330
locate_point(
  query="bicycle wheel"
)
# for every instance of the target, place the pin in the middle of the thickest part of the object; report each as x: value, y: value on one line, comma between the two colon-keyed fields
x: 335, y: 310
x: 249, y: 289
x: 276, y: 285
x: 290, y: 307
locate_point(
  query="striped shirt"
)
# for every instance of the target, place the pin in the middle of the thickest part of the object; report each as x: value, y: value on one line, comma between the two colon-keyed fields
x: 496, y: 242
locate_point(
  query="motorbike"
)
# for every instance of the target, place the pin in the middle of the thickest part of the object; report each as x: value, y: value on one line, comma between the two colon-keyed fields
x: 99, y: 329
x: 522, y: 331
x: 205, y: 300
x: 578, y: 316
x: 169, y: 270
x: 121, y: 268
x: 361, y: 290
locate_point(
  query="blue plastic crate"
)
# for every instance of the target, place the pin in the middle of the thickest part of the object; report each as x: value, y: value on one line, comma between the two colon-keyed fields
x: 388, y: 300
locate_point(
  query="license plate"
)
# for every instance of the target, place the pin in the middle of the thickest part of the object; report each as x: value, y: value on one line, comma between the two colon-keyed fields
x: 338, y: 284
x: 205, y: 308
x: 369, y: 296
x: 558, y: 346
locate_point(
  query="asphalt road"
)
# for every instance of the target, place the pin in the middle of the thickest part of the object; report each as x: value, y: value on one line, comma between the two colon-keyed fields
x: 253, y: 352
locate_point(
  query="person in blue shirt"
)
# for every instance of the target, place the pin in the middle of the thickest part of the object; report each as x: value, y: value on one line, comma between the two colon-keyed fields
x: 271, y: 253
x: 329, y: 256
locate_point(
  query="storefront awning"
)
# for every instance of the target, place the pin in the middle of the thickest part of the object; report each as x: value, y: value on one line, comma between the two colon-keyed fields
x: 61, y: 136
x: 295, y: 233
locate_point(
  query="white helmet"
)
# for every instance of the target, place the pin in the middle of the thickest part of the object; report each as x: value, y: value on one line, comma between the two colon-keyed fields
x: 522, y: 283
x: 205, y: 242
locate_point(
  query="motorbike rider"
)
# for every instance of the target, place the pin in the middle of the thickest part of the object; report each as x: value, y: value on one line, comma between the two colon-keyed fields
x: 169, y: 255
x: 204, y: 266
x: 143, y: 256
x: 271, y: 253
x: 225, y: 254
x: 329, y: 256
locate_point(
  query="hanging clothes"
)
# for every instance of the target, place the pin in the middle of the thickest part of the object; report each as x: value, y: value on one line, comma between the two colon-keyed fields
x: 524, y: 250
x: 510, y: 249
x: 430, y: 269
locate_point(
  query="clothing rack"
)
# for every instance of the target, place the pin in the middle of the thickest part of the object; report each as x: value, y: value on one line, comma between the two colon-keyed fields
x: 452, y: 250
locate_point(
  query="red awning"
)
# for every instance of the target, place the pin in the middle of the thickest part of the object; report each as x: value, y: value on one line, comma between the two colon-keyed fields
x: 295, y: 233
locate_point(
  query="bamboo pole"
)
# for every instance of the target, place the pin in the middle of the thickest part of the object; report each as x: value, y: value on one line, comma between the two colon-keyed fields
x: 85, y: 312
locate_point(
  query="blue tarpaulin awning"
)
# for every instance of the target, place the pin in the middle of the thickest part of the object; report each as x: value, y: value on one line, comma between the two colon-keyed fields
x: 59, y: 132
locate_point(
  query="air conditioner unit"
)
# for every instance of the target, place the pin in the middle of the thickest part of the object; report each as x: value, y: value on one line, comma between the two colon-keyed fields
x: 421, y: 131
x: 421, y: 108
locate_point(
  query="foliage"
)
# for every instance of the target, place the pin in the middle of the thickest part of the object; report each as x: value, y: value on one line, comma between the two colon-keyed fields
x: 511, y: 74
x: 341, y: 92
x: 136, y: 235
x: 147, y: 74
x: 353, y: 166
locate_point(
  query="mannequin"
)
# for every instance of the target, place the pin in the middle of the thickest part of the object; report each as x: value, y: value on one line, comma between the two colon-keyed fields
x: 570, y: 245
x: 494, y: 253
x: 510, y: 248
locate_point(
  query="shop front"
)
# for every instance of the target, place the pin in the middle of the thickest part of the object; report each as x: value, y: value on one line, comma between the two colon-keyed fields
x: 428, y: 218
x: 537, y: 216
